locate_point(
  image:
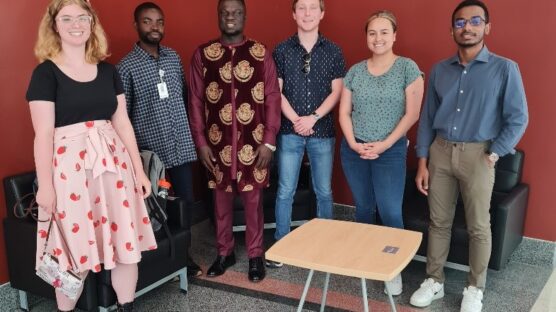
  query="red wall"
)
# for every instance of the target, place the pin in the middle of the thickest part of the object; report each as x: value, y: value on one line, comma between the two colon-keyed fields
x: 520, y: 30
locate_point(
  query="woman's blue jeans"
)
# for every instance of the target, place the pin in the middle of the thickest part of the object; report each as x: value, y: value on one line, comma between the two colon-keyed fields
x: 377, y: 183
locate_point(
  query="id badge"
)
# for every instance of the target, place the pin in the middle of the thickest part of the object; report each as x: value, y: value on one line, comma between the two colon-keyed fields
x: 162, y: 90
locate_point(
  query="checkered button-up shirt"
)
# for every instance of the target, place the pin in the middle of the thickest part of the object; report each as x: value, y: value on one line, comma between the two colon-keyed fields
x: 161, y: 125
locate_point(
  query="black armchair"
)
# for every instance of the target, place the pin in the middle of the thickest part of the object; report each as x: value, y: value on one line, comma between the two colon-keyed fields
x: 507, y: 214
x: 155, y: 268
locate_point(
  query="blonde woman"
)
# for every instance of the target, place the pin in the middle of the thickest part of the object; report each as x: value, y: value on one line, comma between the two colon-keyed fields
x: 380, y: 102
x: 88, y: 166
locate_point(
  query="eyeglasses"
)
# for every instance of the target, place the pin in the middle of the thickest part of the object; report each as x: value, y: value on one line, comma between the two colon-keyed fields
x: 473, y: 21
x: 81, y: 19
x: 306, y: 63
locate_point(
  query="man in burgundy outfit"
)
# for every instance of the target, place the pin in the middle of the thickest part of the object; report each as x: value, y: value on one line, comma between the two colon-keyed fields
x: 235, y: 116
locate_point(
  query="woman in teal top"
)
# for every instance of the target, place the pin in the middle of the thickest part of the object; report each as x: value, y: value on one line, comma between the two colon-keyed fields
x: 380, y: 102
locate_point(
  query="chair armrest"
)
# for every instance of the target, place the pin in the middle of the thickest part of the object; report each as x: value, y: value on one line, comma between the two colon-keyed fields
x: 15, y: 187
x: 178, y: 212
x: 507, y: 230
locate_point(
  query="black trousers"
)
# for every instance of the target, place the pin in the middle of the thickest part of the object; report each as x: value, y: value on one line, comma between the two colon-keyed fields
x: 181, y: 178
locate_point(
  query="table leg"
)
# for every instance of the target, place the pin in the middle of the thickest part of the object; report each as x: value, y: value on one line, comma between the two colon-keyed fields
x: 324, y: 292
x: 390, y: 297
x: 364, y: 291
x: 305, y: 290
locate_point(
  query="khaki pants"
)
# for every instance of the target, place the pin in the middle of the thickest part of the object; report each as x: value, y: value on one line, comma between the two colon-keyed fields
x: 459, y: 167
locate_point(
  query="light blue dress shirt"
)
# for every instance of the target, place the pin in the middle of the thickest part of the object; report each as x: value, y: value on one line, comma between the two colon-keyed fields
x: 482, y: 101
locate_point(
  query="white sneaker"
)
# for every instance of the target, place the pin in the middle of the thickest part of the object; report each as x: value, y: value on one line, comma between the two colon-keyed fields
x: 472, y: 299
x: 395, y: 286
x: 430, y: 290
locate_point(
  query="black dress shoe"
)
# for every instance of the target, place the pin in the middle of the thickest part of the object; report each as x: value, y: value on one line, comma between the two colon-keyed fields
x: 193, y: 270
x: 256, y: 269
x: 221, y: 264
x: 126, y: 307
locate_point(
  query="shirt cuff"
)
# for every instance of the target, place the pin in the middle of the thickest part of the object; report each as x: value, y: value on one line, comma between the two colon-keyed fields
x: 269, y: 138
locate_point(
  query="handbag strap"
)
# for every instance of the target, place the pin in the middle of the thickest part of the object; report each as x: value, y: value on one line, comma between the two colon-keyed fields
x: 53, y: 220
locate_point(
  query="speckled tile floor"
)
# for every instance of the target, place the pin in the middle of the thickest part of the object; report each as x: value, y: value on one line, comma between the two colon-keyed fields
x: 513, y: 289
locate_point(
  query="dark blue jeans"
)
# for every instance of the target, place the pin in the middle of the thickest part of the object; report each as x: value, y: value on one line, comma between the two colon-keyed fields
x: 181, y: 178
x: 377, y: 183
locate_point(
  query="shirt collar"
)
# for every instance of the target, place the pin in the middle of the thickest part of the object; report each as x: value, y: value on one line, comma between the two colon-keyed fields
x: 320, y: 40
x: 233, y: 45
x: 138, y: 50
x: 483, y: 56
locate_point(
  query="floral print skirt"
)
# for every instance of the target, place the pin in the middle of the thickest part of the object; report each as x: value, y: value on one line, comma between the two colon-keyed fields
x: 100, y: 212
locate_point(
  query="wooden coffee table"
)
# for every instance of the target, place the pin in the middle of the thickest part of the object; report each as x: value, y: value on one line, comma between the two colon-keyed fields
x: 347, y: 248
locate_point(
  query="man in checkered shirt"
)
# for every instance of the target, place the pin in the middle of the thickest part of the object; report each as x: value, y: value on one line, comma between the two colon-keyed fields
x: 156, y: 95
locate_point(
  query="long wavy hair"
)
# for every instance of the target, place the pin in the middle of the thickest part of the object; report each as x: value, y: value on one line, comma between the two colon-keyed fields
x: 49, y: 45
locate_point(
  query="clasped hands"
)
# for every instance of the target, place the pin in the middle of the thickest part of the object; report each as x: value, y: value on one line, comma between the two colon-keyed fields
x: 304, y: 125
x: 370, y: 150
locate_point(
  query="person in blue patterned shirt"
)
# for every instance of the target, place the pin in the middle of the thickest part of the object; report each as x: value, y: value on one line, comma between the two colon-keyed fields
x: 310, y: 71
x: 156, y: 94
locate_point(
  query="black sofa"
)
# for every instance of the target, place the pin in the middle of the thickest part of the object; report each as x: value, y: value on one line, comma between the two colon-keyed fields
x: 508, y: 207
x: 304, y: 205
x: 155, y: 268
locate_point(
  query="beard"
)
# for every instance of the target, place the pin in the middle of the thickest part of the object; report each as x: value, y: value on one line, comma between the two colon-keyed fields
x: 144, y: 37
x: 468, y: 43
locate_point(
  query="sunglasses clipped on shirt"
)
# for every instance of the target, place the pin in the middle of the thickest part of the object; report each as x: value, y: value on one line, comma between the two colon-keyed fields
x: 473, y: 21
x: 306, y: 63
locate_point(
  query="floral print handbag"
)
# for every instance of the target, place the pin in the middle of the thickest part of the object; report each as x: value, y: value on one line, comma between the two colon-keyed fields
x: 67, y: 282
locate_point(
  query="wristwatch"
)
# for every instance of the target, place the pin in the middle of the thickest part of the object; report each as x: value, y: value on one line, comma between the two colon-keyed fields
x: 492, y: 156
x: 315, y: 115
x: 271, y: 147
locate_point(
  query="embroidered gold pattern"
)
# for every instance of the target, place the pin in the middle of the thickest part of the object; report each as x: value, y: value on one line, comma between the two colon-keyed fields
x: 243, y: 71
x: 246, y: 155
x: 226, y: 155
x: 214, y: 51
x: 226, y: 114
x: 218, y: 174
x: 258, y: 133
x: 245, y: 114
x: 259, y: 175
x: 258, y: 93
x: 226, y: 72
x: 247, y: 188
x: 215, y: 135
x: 213, y: 92
x: 257, y: 51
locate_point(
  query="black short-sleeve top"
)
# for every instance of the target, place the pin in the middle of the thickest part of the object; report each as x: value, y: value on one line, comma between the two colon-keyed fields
x: 76, y: 101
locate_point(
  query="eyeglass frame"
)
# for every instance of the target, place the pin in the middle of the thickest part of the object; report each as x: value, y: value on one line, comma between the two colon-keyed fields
x: 70, y: 20
x: 470, y: 21
x: 306, y: 69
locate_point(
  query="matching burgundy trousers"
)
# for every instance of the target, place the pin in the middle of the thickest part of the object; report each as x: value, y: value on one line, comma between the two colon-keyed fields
x: 223, y: 214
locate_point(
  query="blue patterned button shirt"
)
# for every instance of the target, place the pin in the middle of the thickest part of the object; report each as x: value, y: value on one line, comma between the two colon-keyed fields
x: 306, y: 92
x: 160, y: 125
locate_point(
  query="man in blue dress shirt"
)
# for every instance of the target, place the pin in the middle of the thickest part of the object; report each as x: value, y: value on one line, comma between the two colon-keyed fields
x: 475, y: 111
